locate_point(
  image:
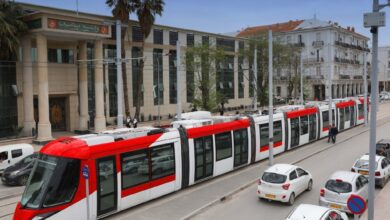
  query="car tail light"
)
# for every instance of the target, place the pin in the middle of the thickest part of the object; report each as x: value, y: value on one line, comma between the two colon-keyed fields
x: 352, y: 170
x: 259, y: 182
x: 286, y: 186
x: 377, y: 173
x: 322, y: 192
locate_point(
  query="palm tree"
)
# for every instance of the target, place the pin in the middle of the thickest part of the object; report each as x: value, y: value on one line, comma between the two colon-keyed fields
x: 121, y: 10
x: 12, y: 27
x: 146, y: 11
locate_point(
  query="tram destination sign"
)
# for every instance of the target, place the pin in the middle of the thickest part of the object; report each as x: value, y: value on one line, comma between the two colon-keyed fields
x: 76, y: 26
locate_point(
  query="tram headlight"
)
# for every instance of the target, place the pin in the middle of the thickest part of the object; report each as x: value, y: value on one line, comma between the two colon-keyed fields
x: 44, y: 215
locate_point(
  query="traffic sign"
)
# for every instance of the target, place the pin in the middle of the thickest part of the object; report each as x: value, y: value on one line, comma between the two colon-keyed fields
x: 85, y: 172
x: 356, y: 204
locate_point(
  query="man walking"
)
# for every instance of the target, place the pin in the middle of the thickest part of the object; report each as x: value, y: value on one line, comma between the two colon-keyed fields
x: 334, y: 133
x: 330, y: 134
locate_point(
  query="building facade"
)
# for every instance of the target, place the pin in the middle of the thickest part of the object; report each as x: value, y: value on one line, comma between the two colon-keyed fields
x: 65, y: 75
x: 384, y: 68
x: 327, y: 50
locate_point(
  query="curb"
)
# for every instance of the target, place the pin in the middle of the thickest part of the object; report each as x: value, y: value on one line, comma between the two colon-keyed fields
x: 247, y: 185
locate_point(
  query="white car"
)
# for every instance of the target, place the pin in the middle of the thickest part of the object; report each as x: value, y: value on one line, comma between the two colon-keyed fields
x: 284, y: 182
x: 314, y: 212
x: 340, y: 186
x: 382, y: 172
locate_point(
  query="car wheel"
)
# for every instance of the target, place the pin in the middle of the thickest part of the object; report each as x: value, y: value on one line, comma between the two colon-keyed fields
x: 292, y: 199
x: 23, y: 180
x: 310, y: 185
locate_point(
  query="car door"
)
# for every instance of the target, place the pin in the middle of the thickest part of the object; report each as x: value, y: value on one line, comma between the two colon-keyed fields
x: 294, y: 182
x: 303, y: 179
x: 363, y: 191
x: 5, y: 160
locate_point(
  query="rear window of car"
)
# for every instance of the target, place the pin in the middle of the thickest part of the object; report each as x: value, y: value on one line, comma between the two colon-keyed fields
x: 363, y: 164
x: 338, y: 186
x: 273, y: 178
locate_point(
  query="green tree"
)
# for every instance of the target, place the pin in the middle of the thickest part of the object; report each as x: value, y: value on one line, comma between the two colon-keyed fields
x: 12, y: 27
x: 202, y: 60
x: 121, y: 10
x: 146, y: 11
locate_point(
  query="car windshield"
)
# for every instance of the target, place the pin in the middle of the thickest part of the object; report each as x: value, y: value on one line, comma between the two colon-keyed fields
x: 273, y: 178
x: 338, y: 186
x: 363, y: 164
x: 44, y: 188
x: 28, y: 159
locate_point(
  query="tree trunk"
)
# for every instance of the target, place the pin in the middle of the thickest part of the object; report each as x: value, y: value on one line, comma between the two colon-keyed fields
x: 124, y: 74
x: 139, y: 84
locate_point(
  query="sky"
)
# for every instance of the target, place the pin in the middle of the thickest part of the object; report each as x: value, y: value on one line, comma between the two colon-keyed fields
x: 222, y: 16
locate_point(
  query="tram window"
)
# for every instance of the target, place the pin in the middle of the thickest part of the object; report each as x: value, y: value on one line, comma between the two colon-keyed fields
x: 61, y: 190
x: 135, y: 168
x: 347, y: 114
x: 264, y: 133
x: 304, y: 125
x: 223, y: 145
x: 325, y: 119
x: 163, y: 161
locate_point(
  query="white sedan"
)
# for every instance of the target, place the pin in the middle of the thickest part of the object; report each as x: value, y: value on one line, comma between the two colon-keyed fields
x: 382, y: 168
x: 314, y: 212
x: 340, y: 186
x: 284, y: 182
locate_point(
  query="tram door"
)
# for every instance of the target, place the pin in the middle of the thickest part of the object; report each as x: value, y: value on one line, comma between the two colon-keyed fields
x: 353, y: 116
x: 312, y: 127
x: 295, y: 134
x: 203, y: 157
x: 341, y: 110
x: 107, y: 185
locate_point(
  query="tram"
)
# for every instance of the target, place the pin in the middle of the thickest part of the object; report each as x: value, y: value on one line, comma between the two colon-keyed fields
x: 121, y: 168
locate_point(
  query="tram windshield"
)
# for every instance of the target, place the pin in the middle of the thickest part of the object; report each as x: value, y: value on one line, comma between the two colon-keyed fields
x: 53, y: 181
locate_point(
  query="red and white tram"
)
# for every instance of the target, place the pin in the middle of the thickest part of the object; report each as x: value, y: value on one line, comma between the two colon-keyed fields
x: 128, y: 167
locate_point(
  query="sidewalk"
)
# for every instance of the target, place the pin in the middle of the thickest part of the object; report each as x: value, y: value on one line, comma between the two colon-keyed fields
x: 382, y: 204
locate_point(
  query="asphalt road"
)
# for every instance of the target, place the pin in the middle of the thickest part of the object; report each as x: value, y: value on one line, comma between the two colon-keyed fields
x: 246, y: 205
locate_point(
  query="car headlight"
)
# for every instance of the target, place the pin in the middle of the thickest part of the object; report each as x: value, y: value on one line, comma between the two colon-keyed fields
x: 14, y: 173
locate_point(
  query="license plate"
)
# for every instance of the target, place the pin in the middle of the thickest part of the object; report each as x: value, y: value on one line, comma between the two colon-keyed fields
x: 270, y: 196
x: 363, y: 172
x: 335, y: 206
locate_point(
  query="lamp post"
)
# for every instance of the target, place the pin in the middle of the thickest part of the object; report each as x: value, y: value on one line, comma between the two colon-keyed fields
x: 373, y: 20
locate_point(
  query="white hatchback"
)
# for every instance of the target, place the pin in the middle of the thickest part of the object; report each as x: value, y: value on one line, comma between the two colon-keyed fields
x: 314, y: 212
x: 340, y: 186
x: 284, y: 182
x: 382, y: 172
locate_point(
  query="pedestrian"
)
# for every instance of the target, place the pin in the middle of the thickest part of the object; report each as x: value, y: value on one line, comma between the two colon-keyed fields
x: 135, y: 122
x: 221, y: 109
x: 330, y: 133
x: 128, y: 122
x: 334, y: 134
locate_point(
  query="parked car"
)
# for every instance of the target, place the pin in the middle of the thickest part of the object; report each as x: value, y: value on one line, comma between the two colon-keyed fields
x: 382, y: 168
x: 18, y: 173
x: 340, y: 186
x: 284, y: 182
x: 314, y: 212
x: 383, y: 148
x: 11, y: 154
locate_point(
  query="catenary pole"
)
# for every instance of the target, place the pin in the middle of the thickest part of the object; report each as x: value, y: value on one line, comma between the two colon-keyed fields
x: 178, y: 81
x: 365, y: 89
x: 374, y: 96
x: 329, y: 81
x: 270, y: 101
x: 301, y: 67
x: 119, y: 79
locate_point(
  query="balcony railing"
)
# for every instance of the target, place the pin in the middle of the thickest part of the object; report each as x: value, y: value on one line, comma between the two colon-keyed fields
x: 357, y: 77
x: 351, y: 46
x: 345, y: 76
x: 299, y: 44
x: 315, y: 77
x: 343, y: 60
x: 318, y: 43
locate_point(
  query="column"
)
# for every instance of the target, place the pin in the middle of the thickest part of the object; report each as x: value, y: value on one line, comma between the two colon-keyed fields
x: 28, y: 103
x: 334, y: 91
x: 83, y: 87
x: 345, y: 90
x: 100, y: 120
x: 44, y: 126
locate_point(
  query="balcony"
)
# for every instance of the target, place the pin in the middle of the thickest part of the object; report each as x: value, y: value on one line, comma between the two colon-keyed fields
x: 315, y: 77
x: 318, y: 43
x: 345, y: 76
x: 351, y: 46
x: 299, y: 44
x: 313, y: 60
x: 347, y: 61
x: 357, y: 77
